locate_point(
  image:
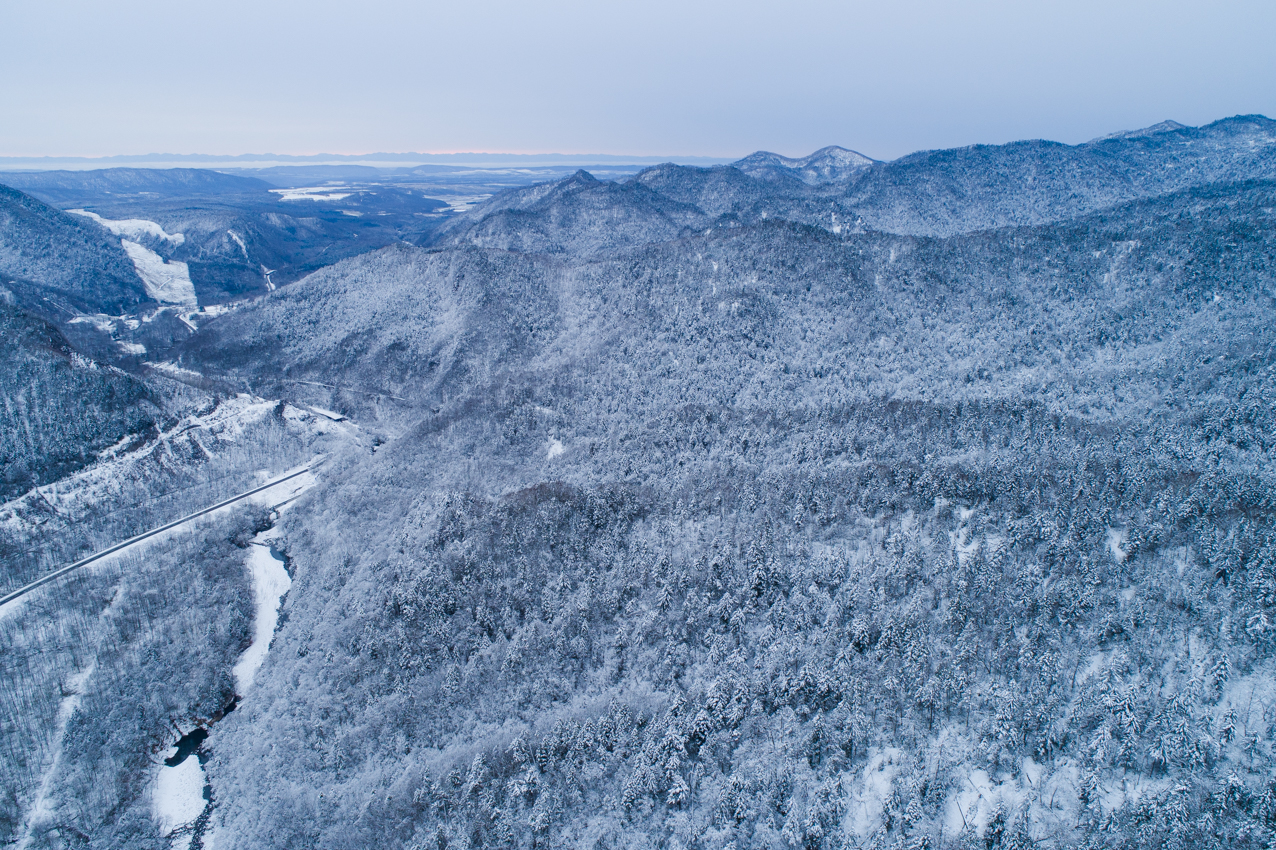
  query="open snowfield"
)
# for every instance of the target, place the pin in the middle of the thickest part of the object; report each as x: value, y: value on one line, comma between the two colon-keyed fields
x: 134, y: 228
x: 168, y: 282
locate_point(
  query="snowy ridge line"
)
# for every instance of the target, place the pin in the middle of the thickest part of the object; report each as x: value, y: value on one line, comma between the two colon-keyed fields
x: 61, y: 571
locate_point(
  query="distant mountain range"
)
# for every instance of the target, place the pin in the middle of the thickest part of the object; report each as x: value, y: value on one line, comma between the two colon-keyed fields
x: 270, y: 159
x: 75, y: 186
x: 937, y: 193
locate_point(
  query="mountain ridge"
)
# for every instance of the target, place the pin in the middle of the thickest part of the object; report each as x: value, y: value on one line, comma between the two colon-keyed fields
x: 951, y: 191
x: 47, y: 254
x: 62, y: 187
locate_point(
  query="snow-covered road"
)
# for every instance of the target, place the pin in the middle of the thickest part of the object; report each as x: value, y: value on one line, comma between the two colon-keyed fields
x: 133, y: 541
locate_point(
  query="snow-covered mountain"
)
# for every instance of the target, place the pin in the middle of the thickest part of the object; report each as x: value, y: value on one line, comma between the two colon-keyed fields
x: 827, y: 165
x: 803, y: 503
x: 62, y: 264
x: 933, y: 193
x: 1161, y: 127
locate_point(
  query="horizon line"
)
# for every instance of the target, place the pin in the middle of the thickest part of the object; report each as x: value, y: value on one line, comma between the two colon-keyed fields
x: 368, y: 155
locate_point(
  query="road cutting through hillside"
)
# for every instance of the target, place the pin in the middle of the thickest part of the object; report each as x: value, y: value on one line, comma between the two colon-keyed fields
x: 132, y: 541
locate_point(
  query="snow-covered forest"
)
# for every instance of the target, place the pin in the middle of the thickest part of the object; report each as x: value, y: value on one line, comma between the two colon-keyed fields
x: 811, y: 503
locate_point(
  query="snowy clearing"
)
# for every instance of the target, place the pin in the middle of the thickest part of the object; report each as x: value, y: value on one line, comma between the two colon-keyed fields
x: 465, y: 202
x: 166, y: 282
x: 134, y: 228
x: 328, y: 414
x: 868, y: 796
x: 1116, y: 543
x: 102, y: 323
x: 175, y: 371
x: 313, y: 193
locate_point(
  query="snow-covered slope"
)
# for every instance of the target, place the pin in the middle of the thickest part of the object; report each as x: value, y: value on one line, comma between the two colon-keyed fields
x: 931, y: 504
x: 777, y: 536
x: 136, y: 229
x: 59, y: 408
x: 58, y: 264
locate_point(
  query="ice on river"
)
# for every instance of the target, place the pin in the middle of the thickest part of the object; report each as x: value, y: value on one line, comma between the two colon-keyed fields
x: 270, y: 582
x: 179, y: 794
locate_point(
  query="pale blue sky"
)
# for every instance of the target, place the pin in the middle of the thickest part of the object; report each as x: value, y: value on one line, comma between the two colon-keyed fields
x: 662, y: 77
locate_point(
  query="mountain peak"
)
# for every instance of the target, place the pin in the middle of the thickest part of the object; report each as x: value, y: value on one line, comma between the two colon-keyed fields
x: 1166, y: 126
x: 827, y: 165
x: 841, y: 155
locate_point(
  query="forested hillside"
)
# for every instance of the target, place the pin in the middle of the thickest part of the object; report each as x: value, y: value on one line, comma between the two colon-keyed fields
x: 801, y: 503
x: 62, y: 264
x: 768, y: 535
x: 59, y: 408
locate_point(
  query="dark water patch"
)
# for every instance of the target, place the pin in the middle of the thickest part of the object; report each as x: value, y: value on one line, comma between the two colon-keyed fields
x: 187, y: 744
x: 230, y: 706
x: 193, y: 743
x: 193, y: 740
x: 283, y: 559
